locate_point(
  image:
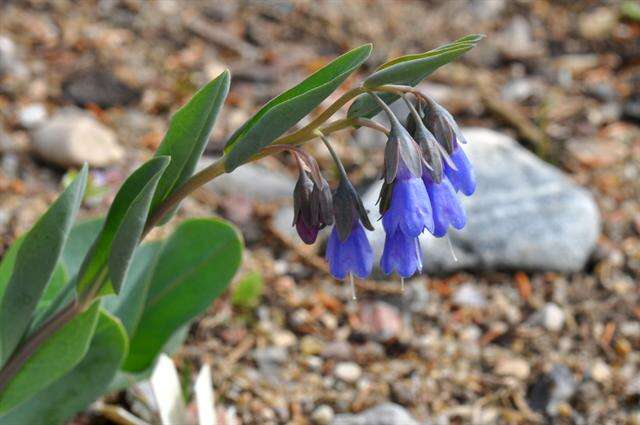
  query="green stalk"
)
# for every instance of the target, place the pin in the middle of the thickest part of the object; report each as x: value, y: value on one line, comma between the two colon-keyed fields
x: 77, y: 306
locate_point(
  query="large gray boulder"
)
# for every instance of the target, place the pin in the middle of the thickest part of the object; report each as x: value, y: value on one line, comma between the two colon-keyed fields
x: 525, y: 214
x: 253, y: 181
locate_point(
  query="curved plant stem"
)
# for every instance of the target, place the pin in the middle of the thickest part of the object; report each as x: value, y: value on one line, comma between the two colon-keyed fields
x: 306, y: 133
x: 34, y: 341
x: 328, y: 113
x: 200, y: 178
x: 399, y: 90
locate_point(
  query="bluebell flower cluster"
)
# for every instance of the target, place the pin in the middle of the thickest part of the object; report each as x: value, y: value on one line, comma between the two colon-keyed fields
x: 425, y: 169
x: 426, y: 198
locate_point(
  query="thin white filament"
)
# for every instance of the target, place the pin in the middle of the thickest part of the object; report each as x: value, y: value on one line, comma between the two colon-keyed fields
x: 402, y: 283
x: 353, y: 287
x: 453, y: 253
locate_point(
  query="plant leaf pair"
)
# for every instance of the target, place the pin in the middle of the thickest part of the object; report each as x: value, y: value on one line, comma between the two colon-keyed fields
x: 188, y: 135
x: 284, y: 111
x: 409, y: 70
x: 123, y: 227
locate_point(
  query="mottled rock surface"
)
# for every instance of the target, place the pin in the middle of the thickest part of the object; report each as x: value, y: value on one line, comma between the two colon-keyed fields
x: 525, y: 214
x: 253, y: 181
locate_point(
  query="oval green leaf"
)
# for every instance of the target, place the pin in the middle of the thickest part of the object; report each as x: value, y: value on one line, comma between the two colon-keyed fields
x: 87, y: 381
x: 195, y: 266
x: 35, y: 262
x: 284, y: 111
x: 62, y: 351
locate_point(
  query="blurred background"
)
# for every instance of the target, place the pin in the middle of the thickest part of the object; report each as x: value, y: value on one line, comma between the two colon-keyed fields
x: 538, y: 321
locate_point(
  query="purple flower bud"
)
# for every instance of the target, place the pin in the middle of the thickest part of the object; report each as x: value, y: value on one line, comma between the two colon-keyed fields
x: 302, y: 198
x: 307, y: 233
x: 409, y: 208
x: 312, y: 206
x: 447, y: 208
x: 322, y: 204
x: 462, y: 178
x: 352, y: 255
x: 402, y: 254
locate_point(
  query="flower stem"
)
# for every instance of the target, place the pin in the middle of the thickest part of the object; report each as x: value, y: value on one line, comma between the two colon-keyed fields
x: 33, y: 342
x: 76, y: 306
x: 200, y: 178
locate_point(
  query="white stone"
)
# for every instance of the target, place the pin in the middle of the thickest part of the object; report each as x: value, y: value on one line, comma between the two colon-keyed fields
x: 322, y: 415
x: 348, y: 371
x: 31, y: 116
x: 73, y: 137
x: 600, y: 372
x: 552, y: 317
x: 468, y: 295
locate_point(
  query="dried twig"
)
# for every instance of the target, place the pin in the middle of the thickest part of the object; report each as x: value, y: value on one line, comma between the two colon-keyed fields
x: 510, y: 113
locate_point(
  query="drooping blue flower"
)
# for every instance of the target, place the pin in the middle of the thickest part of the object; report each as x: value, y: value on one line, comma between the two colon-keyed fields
x: 353, y: 255
x: 401, y: 254
x: 447, y: 208
x: 409, y: 207
x: 462, y: 179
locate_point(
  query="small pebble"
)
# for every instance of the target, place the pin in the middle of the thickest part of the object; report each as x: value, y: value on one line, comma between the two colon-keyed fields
x: 322, y: 415
x: 32, y: 115
x: 517, y: 368
x: 348, y: 371
x: 310, y: 345
x: 468, y: 295
x: 552, y: 317
x: 283, y: 339
x: 600, y: 372
x: 380, y: 320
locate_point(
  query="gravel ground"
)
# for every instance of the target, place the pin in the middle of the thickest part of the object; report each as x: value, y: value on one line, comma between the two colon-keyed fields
x: 518, y: 346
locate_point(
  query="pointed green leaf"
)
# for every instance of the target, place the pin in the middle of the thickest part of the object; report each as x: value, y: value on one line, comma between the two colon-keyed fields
x: 81, y: 237
x: 123, y: 226
x: 195, y: 266
x: 282, y: 112
x: 87, y: 381
x: 53, y: 287
x: 188, y: 135
x: 59, y: 354
x: 57, y: 282
x: 35, y: 262
x: 129, y: 303
x: 409, y: 70
x: 8, y: 261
